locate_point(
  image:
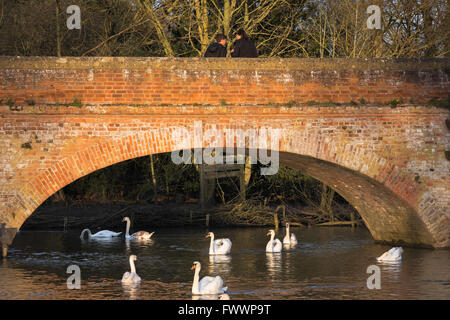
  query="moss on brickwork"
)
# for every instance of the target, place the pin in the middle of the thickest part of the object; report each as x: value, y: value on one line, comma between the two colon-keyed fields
x: 182, y: 81
x: 228, y: 109
x: 26, y: 145
x: 395, y: 103
x: 76, y: 103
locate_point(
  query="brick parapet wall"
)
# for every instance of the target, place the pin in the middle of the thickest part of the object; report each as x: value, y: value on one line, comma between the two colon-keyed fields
x: 179, y: 81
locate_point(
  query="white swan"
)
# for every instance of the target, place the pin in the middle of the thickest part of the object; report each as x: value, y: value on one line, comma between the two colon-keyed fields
x: 290, y: 240
x: 131, y: 277
x: 219, y: 246
x: 393, y: 255
x: 274, y: 245
x: 222, y: 296
x: 100, y: 234
x: 140, y: 235
x: 208, y: 285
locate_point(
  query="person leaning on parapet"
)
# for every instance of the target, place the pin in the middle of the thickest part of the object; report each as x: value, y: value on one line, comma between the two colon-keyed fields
x: 243, y: 46
x: 218, y: 48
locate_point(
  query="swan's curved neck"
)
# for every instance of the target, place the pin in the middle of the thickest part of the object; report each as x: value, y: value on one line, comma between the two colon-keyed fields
x: 211, y: 244
x: 287, y: 231
x: 127, y: 233
x: 272, y: 236
x: 86, y: 231
x: 195, y: 284
x: 133, y: 268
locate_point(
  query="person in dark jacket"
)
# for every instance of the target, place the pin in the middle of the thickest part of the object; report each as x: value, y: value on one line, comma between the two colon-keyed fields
x: 218, y: 48
x: 243, y: 46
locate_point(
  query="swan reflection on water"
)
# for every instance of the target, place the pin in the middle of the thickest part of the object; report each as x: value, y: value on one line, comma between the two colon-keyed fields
x: 273, y: 262
x: 131, y: 290
x: 393, y: 268
x: 223, y: 296
x: 137, y: 243
x: 106, y: 242
x: 219, y: 264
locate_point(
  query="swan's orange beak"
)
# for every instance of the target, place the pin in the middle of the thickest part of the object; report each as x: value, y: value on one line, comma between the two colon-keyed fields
x: 193, y: 267
x: 268, y: 234
x: 207, y: 236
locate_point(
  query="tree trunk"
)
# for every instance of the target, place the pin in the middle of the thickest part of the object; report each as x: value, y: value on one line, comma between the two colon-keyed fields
x: 58, y: 30
x: 431, y: 50
x: 323, y: 198
x: 379, y: 34
x: 166, y: 176
x: 326, y: 201
x: 201, y: 14
x: 160, y: 32
x: 330, y: 197
x: 155, y: 189
x: 248, y: 170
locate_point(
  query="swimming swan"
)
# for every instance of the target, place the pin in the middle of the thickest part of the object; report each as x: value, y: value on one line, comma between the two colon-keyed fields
x: 100, y: 234
x: 140, y: 235
x: 290, y: 240
x: 219, y: 246
x: 208, y: 285
x: 131, y: 277
x: 393, y: 255
x: 274, y: 245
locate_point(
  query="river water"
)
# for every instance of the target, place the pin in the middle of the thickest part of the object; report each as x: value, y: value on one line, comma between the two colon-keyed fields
x: 327, y: 263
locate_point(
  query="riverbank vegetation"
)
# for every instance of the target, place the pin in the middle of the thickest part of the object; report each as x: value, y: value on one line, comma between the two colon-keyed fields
x: 181, y: 28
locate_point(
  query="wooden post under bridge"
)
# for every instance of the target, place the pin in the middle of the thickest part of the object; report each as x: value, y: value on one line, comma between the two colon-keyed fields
x: 209, y: 174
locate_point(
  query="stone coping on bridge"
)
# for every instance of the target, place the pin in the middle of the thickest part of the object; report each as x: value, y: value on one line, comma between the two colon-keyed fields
x: 244, y: 64
x: 229, y: 110
x: 203, y: 81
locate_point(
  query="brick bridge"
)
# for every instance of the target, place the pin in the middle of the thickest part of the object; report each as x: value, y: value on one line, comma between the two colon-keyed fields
x: 63, y: 118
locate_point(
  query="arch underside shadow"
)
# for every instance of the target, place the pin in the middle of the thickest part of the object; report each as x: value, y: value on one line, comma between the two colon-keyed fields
x: 388, y: 218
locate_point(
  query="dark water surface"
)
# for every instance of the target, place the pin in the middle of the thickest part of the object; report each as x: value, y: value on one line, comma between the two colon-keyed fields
x: 327, y: 263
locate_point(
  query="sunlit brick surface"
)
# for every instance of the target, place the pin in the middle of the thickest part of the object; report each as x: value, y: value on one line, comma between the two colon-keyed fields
x: 387, y: 162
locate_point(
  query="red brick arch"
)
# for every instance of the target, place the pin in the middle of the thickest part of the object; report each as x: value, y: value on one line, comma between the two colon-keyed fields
x: 382, y: 202
x: 387, y: 161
